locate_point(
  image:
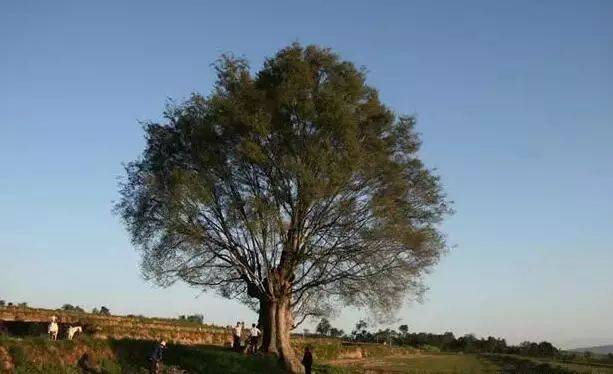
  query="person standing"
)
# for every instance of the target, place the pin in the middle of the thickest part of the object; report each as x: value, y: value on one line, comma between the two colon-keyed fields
x: 307, y: 360
x: 155, y: 358
x: 236, y: 334
x: 254, y: 337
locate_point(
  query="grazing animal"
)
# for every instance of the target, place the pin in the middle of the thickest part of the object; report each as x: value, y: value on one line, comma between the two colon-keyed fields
x: 72, y: 330
x: 52, y: 330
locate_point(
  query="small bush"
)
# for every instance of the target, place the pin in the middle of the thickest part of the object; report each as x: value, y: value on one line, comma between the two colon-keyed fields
x: 18, y: 354
x: 429, y: 348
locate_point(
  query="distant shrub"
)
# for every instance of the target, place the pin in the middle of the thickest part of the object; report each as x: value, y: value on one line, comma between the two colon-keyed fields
x: 102, y: 311
x: 71, y: 308
x: 429, y: 348
x: 194, y: 318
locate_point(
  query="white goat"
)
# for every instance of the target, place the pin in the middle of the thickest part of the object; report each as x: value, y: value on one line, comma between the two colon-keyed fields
x: 52, y: 330
x: 72, y: 330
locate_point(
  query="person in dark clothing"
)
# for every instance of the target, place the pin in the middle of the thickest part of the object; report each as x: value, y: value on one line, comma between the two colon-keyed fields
x: 307, y: 360
x: 236, y: 335
x: 86, y: 365
x: 155, y: 358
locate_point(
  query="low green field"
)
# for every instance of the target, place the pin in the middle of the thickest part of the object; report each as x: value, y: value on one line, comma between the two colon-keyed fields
x: 510, y: 363
x: 461, y: 363
x: 417, y: 363
x: 583, y: 367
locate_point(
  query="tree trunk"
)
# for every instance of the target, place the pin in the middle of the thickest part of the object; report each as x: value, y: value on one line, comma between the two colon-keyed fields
x: 283, y: 323
x: 268, y: 325
x: 275, y: 320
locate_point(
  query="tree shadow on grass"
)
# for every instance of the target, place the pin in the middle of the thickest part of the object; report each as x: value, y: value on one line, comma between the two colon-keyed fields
x: 132, y: 356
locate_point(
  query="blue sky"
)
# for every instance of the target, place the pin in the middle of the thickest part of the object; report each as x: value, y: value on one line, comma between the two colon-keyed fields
x: 514, y: 101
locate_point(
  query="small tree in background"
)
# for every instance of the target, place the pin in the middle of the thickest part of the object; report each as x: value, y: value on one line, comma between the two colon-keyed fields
x: 336, y: 333
x: 194, y: 318
x: 71, y: 308
x: 105, y: 311
x: 360, y: 331
x: 404, y: 329
x: 2, y: 303
x: 323, y: 327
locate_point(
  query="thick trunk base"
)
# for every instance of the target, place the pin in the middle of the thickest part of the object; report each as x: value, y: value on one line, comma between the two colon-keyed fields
x: 268, y: 326
x: 275, y: 319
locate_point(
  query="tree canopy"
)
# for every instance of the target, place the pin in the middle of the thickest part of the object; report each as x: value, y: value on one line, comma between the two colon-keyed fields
x: 293, y: 187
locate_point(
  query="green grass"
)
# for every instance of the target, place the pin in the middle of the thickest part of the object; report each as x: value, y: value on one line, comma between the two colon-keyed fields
x: 39, y: 355
x: 326, y: 349
x: 427, y: 362
x: 421, y: 363
x: 551, y: 365
x: 573, y: 366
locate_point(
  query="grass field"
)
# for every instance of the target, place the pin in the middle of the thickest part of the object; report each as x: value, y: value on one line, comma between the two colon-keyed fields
x: 461, y: 363
x: 39, y: 355
x: 512, y: 363
x: 417, y: 363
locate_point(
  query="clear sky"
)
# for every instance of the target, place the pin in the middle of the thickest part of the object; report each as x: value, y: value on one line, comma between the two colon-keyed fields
x: 514, y: 100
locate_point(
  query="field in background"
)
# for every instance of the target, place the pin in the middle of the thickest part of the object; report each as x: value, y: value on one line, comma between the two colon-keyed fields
x: 418, y: 363
x: 513, y: 363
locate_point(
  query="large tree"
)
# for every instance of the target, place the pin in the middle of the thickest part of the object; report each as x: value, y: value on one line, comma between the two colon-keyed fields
x: 293, y: 189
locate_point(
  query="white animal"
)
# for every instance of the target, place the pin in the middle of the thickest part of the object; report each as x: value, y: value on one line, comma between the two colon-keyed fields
x: 73, y: 330
x: 52, y: 330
